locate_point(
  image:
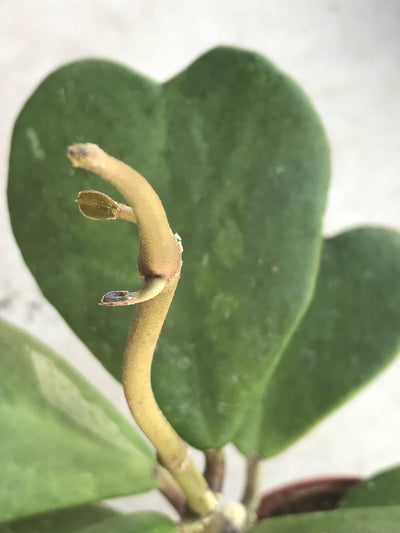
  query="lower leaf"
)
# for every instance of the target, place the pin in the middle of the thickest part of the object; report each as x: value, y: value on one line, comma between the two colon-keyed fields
x: 61, y: 521
x: 369, y: 520
x: 91, y: 519
x: 62, y: 443
x: 380, y: 489
x: 142, y: 522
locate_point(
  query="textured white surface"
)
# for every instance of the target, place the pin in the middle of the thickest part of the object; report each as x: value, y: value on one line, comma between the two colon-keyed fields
x: 346, y: 55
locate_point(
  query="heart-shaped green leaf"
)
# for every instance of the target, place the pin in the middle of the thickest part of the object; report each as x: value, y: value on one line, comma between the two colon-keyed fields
x: 91, y: 519
x: 60, y: 521
x: 240, y: 160
x: 380, y: 489
x: 61, y: 443
x: 348, y: 335
x: 370, y: 520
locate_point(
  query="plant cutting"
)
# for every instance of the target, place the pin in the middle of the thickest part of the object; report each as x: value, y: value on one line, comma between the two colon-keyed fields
x: 268, y: 326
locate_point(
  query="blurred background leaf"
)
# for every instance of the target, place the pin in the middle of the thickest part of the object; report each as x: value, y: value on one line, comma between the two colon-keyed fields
x: 369, y: 520
x: 91, y: 519
x: 61, y: 521
x: 348, y: 335
x: 143, y: 522
x: 240, y: 160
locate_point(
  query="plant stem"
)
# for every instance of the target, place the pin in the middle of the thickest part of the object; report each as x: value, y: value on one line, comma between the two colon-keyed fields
x: 170, y: 489
x: 159, y: 259
x: 230, y: 519
x: 143, y: 335
x: 251, y: 494
x: 215, y: 469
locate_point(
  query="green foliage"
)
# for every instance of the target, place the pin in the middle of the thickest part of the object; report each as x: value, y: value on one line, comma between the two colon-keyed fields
x: 349, y: 333
x: 61, y: 441
x: 142, y: 522
x: 371, y: 520
x: 380, y: 489
x: 240, y: 161
x: 60, y: 521
x: 91, y: 519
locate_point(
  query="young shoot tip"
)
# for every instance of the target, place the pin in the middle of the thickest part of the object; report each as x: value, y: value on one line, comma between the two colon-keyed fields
x: 86, y: 155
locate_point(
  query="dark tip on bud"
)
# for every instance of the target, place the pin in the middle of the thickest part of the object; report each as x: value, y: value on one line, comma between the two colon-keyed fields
x: 115, y: 298
x: 77, y: 151
x: 86, y: 155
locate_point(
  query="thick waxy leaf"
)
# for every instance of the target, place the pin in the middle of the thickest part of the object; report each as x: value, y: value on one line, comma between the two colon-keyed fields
x: 91, y: 519
x: 350, y: 332
x: 61, y: 521
x: 370, y: 520
x: 381, y: 489
x: 62, y: 443
x: 240, y: 160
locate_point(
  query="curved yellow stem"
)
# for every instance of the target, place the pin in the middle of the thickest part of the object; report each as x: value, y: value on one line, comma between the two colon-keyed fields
x: 159, y: 254
x: 159, y: 259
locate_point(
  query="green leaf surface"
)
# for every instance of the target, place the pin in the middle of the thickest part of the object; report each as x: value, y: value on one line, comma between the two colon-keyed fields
x: 60, y: 521
x: 62, y: 443
x: 380, y: 489
x: 142, y: 522
x: 240, y: 160
x: 371, y: 520
x: 348, y: 335
x: 91, y: 519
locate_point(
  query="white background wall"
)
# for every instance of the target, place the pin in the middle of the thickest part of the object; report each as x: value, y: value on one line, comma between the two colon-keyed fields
x: 346, y: 55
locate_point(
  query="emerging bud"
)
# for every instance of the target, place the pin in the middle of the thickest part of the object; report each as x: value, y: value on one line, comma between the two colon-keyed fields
x: 98, y: 206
